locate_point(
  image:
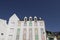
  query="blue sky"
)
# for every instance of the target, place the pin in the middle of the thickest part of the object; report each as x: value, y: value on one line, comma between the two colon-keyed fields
x: 49, y: 10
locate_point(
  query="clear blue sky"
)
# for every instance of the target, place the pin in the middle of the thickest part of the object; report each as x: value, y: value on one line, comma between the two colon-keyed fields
x: 49, y: 10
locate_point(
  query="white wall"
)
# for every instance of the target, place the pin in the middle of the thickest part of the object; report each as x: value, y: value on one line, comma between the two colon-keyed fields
x: 13, y: 26
x: 3, y: 29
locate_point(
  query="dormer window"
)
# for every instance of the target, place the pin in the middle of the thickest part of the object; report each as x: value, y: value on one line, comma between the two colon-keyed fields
x: 25, y: 21
x: 35, y: 19
x: 30, y: 21
x: 30, y: 18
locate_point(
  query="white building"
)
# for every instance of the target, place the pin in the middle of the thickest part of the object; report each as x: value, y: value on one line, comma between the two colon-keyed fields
x: 3, y: 29
x: 22, y: 30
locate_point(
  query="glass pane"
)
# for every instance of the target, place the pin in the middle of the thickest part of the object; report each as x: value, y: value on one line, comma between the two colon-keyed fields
x: 36, y: 34
x: 30, y: 24
x: 18, y: 34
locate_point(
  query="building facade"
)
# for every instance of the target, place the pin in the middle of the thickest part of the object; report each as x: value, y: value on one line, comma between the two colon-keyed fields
x: 22, y: 30
x: 27, y: 29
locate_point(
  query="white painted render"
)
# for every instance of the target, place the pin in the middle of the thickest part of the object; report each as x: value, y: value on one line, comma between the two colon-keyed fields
x: 10, y: 29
